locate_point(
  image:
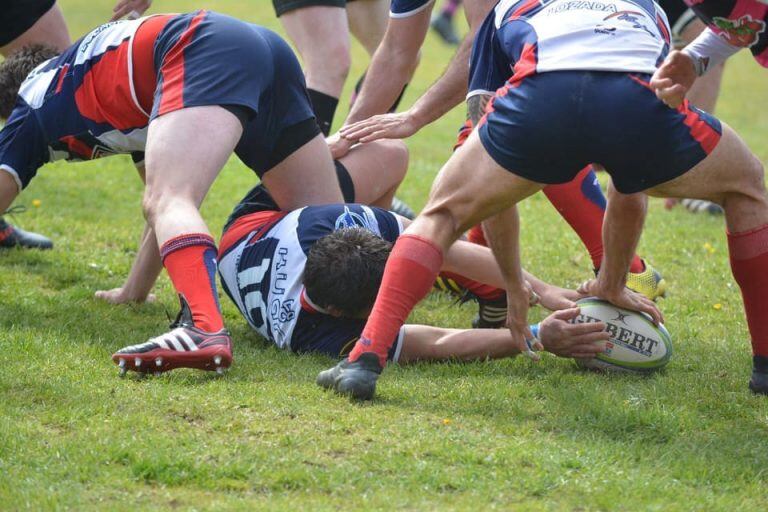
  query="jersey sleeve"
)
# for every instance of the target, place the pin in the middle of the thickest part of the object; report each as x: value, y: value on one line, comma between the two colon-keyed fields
x: 335, y: 337
x: 489, y: 67
x: 406, y: 8
x: 23, y: 149
x: 390, y: 225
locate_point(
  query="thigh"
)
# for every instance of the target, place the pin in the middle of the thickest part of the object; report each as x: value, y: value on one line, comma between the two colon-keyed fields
x: 49, y: 28
x: 186, y: 150
x: 368, y: 21
x: 317, y: 30
x: 376, y: 168
x: 306, y: 177
x: 730, y: 168
x: 472, y: 187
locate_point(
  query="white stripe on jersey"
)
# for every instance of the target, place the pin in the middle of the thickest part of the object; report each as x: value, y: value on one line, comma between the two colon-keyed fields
x: 36, y: 84
x: 604, y: 35
x: 253, y: 275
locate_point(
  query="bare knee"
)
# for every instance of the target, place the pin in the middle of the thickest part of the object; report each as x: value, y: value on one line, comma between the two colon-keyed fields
x: 328, y: 65
x: 750, y: 188
x: 395, y: 155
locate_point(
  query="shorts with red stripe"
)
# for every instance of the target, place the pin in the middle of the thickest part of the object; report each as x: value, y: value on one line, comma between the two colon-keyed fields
x: 549, y: 126
x: 206, y: 58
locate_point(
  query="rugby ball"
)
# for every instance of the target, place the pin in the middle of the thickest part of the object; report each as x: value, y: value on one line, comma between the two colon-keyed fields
x: 636, y: 344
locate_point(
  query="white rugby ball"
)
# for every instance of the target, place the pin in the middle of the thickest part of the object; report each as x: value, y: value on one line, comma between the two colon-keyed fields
x: 636, y: 344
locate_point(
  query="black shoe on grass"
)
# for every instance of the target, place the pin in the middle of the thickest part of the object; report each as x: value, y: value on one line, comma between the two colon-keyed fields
x: 356, y: 379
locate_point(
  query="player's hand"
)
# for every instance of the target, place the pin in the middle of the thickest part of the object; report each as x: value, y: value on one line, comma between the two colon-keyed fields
x: 624, y: 298
x: 131, y: 8
x: 674, y: 78
x: 555, y: 298
x: 121, y: 296
x: 338, y: 145
x: 565, y: 339
x: 517, y: 323
x: 385, y: 126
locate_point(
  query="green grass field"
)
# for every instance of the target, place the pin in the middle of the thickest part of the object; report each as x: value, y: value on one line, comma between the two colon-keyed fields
x: 501, y: 435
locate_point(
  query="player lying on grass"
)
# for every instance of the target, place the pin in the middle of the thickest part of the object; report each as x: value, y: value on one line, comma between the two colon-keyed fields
x: 580, y: 202
x: 732, y: 25
x: 573, y: 100
x: 306, y: 281
x: 181, y: 92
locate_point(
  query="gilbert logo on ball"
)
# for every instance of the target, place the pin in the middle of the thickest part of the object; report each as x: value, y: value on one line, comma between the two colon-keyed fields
x: 636, y: 344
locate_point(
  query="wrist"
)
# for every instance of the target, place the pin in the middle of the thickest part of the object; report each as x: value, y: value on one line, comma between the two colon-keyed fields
x: 699, y: 63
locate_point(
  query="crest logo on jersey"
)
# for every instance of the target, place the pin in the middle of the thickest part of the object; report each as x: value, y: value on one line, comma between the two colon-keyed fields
x: 350, y: 219
x: 743, y: 32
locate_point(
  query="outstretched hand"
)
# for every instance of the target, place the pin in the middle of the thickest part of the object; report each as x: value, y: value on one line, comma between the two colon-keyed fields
x: 385, y: 126
x: 565, y: 339
x: 625, y: 298
x: 674, y: 78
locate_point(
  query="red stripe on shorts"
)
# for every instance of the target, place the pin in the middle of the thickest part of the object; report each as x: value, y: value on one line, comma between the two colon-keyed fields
x: 704, y: 134
x: 172, y: 94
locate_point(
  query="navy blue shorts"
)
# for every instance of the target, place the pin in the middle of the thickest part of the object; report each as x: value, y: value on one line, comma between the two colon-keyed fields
x: 207, y: 58
x: 549, y: 126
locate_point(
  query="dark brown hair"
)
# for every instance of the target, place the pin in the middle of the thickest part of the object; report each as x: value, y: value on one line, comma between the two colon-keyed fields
x: 14, y: 70
x: 344, y: 270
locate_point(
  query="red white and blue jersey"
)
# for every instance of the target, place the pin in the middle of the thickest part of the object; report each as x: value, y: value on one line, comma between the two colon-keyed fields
x: 406, y: 8
x: 77, y: 106
x: 99, y: 96
x: 523, y: 37
x: 741, y: 23
x: 261, y: 264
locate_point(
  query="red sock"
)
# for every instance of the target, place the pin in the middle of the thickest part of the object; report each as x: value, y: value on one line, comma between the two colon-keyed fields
x: 582, y: 204
x: 749, y: 264
x: 191, y: 263
x: 411, y: 269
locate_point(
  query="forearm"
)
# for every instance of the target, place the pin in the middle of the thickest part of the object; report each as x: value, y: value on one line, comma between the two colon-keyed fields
x: 623, y: 225
x: 391, y: 67
x: 709, y: 50
x: 145, y: 269
x: 448, y: 91
x: 502, y: 231
x: 426, y: 343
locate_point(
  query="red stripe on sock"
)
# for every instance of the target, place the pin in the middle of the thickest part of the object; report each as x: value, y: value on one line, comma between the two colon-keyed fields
x: 749, y: 264
x: 411, y: 269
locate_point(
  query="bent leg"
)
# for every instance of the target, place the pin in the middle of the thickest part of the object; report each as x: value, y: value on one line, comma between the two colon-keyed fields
x: 321, y: 36
x: 186, y: 150
x: 457, y: 202
x: 733, y: 177
x: 305, y: 178
x: 377, y: 169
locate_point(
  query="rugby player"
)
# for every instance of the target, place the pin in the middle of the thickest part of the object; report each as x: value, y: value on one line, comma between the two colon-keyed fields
x: 306, y: 280
x: 180, y: 92
x: 731, y: 26
x: 580, y: 202
x: 579, y: 93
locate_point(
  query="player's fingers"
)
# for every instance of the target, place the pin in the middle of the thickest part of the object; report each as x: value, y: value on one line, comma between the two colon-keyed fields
x: 585, y: 288
x: 567, y: 314
x: 587, y: 328
x: 378, y: 134
x: 593, y: 337
x: 587, y: 351
x: 661, y: 82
